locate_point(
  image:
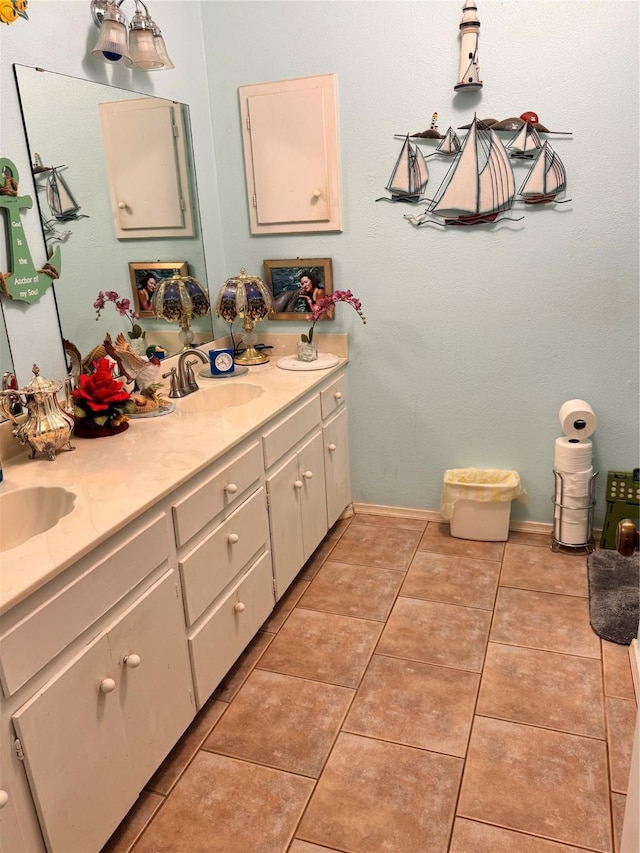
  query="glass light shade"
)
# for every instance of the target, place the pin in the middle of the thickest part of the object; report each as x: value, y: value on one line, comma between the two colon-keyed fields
x: 161, y: 50
x: 177, y: 300
x: 246, y: 298
x: 112, y: 40
x: 142, y: 45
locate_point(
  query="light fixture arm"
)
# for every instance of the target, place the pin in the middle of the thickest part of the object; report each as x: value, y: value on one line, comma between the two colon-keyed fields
x: 99, y: 7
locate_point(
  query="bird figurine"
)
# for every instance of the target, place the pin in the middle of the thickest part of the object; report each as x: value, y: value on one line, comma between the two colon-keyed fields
x: 78, y: 364
x: 144, y: 371
x: 11, y: 10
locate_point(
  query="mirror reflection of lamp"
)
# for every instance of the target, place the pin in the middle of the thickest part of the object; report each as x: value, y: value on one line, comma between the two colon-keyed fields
x: 247, y: 298
x: 141, y: 46
x: 178, y: 299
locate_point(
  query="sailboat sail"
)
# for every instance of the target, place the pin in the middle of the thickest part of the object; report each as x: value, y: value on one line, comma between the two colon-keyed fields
x: 61, y: 201
x: 546, y: 178
x: 480, y: 183
x: 450, y: 144
x: 526, y: 142
x: 410, y: 174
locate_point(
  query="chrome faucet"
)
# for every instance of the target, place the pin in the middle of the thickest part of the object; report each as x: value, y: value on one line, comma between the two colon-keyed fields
x: 186, y: 380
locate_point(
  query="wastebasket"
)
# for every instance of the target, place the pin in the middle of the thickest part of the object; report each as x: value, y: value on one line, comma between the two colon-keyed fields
x: 477, y: 502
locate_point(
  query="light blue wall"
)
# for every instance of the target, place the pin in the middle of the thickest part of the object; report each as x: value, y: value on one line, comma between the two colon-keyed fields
x: 474, y: 338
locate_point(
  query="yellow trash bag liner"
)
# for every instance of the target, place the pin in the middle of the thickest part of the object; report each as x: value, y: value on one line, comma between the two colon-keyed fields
x: 488, y: 485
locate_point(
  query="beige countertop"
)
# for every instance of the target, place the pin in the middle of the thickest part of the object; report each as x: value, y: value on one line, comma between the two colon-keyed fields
x: 117, y: 478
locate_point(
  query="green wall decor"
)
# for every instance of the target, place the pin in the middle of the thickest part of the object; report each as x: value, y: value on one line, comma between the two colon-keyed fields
x: 25, y: 282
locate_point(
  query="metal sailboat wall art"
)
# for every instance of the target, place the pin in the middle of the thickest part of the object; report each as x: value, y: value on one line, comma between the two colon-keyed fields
x: 409, y: 176
x: 62, y: 204
x: 547, y: 178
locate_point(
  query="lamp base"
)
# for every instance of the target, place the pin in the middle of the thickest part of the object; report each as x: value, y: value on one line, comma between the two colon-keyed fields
x: 251, y: 356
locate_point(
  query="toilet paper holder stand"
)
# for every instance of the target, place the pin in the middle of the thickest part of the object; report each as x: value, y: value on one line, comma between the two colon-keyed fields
x: 561, y: 507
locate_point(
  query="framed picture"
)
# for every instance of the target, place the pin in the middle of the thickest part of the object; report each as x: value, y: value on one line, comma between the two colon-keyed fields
x: 296, y: 284
x: 145, y: 277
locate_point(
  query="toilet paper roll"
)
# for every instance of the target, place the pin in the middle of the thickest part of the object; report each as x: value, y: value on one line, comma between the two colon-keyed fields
x: 574, y: 533
x: 572, y: 484
x: 572, y: 455
x: 577, y: 419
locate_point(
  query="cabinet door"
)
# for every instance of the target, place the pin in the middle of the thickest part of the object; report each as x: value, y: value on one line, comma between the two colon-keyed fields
x: 76, y: 753
x: 313, y: 504
x: 336, y: 464
x: 285, y: 521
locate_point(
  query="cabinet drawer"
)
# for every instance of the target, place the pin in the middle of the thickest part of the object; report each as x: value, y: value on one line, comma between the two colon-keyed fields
x: 290, y: 430
x: 333, y: 396
x: 218, y: 642
x: 103, y: 581
x: 215, y: 490
x: 214, y: 562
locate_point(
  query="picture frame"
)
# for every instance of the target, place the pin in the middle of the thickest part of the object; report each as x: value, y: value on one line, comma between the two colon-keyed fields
x: 140, y: 273
x: 292, y: 299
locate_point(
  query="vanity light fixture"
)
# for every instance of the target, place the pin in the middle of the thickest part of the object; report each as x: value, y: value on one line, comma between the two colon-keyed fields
x: 141, y: 46
x: 247, y: 298
x: 178, y: 299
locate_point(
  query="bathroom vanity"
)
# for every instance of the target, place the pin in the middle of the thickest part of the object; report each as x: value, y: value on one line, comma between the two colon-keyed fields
x: 119, y: 622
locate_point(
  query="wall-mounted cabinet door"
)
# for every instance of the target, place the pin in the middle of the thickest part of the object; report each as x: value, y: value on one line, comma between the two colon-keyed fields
x: 146, y: 162
x: 290, y: 136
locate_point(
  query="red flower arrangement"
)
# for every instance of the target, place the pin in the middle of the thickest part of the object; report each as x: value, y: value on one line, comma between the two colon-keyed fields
x: 325, y: 304
x: 101, y: 398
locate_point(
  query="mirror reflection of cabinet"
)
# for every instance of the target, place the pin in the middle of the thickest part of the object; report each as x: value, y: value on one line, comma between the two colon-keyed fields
x: 290, y: 135
x: 145, y: 151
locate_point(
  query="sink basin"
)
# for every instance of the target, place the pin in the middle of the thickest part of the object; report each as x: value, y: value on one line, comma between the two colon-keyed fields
x: 219, y: 398
x: 26, y: 512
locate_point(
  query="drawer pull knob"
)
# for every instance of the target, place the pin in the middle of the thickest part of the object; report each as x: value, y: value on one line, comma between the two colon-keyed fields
x: 308, y: 475
x: 238, y: 607
x: 122, y: 205
x: 297, y: 484
x: 132, y: 661
x: 232, y: 538
x: 337, y: 395
x: 332, y: 447
x: 107, y: 685
x: 4, y: 799
x: 231, y: 489
x: 316, y: 193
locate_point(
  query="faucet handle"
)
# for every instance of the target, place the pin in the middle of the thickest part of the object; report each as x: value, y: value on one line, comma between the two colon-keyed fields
x: 192, y: 385
x: 172, y: 375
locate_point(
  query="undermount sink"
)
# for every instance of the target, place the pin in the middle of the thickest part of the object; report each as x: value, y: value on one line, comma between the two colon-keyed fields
x: 219, y: 398
x: 27, y: 512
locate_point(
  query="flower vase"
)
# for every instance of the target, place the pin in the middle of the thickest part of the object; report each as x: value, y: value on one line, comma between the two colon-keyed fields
x: 139, y: 346
x: 307, y: 351
x: 87, y: 428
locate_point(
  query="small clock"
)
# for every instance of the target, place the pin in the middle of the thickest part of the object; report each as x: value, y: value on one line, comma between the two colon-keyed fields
x: 221, y: 361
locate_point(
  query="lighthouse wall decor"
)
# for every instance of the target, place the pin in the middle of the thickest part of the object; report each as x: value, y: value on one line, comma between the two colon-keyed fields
x: 469, y: 71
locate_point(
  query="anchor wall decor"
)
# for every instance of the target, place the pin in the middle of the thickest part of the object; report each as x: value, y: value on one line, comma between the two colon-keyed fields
x: 24, y: 282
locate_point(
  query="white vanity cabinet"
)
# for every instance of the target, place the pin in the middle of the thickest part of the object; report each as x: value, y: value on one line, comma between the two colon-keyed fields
x: 222, y: 535
x: 335, y: 435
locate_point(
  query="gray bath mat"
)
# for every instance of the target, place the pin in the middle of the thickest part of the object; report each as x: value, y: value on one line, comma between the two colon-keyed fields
x: 614, y: 583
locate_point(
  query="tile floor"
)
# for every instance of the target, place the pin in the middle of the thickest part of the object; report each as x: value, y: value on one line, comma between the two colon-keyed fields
x: 411, y: 693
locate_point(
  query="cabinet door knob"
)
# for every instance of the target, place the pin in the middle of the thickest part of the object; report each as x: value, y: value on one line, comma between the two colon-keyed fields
x: 122, y: 205
x: 316, y: 193
x: 107, y: 685
x: 332, y: 447
x: 297, y: 484
x: 232, y: 538
x: 132, y: 661
x: 238, y: 607
x: 337, y: 395
x: 308, y: 475
x: 231, y: 488
x: 4, y: 799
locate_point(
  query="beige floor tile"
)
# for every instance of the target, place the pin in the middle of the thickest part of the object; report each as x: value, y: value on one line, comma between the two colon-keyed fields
x: 376, y: 545
x: 433, y: 632
x: 353, y: 590
x: 437, y: 537
x: 543, y: 620
x: 621, y: 720
x: 237, y: 675
x: 529, y: 567
x: 305, y: 847
x: 323, y: 647
x: 416, y: 704
x: 184, y: 751
x: 546, y: 689
x: 391, y: 521
x: 618, y: 805
x: 219, y: 805
x: 469, y: 836
x: 538, y: 781
x: 376, y: 797
x: 618, y: 680
x: 285, y: 605
x: 134, y: 823
x: 315, y: 561
x: 454, y: 580
x: 283, y: 722
x: 540, y: 540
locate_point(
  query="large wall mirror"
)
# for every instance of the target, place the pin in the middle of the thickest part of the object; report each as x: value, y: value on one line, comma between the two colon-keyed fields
x: 62, y: 122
